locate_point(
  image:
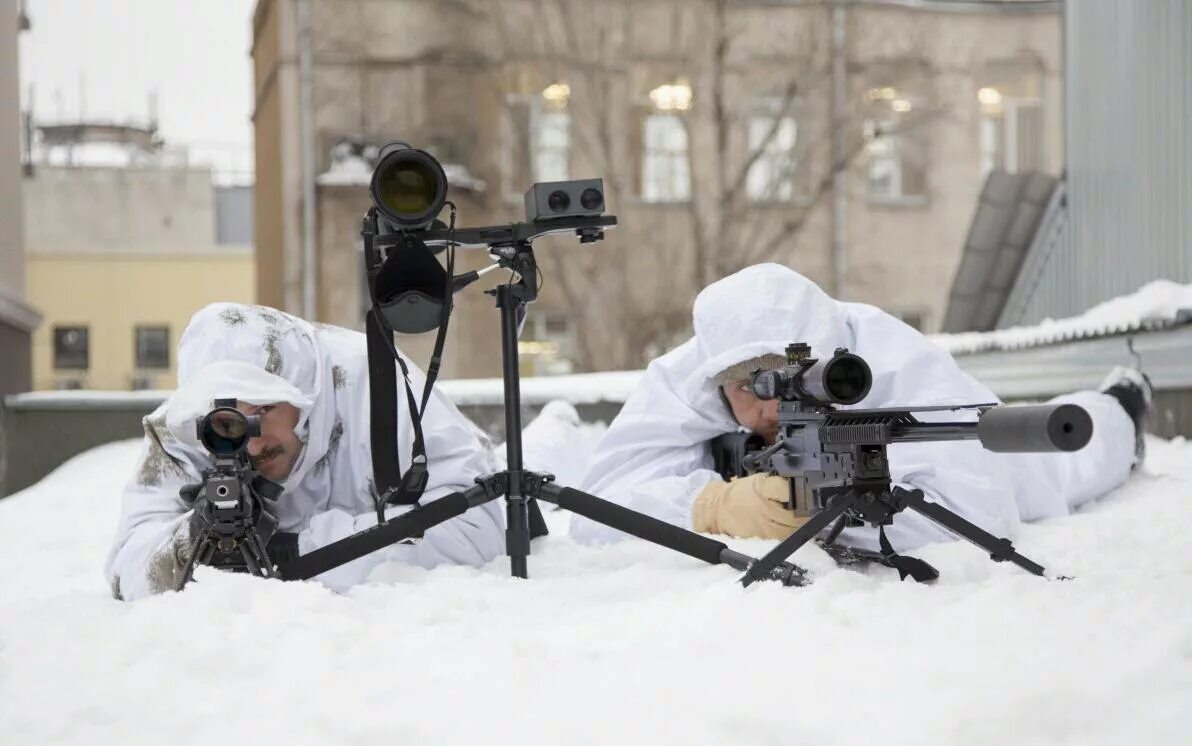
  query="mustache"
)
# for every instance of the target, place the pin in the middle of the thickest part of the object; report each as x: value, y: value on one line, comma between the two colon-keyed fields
x: 268, y: 453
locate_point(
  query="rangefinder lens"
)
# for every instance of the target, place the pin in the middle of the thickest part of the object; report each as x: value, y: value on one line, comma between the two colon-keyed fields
x: 591, y: 199
x: 558, y: 201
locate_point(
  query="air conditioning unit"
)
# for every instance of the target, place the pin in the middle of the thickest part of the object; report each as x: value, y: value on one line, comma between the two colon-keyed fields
x: 70, y: 383
x: 142, y: 382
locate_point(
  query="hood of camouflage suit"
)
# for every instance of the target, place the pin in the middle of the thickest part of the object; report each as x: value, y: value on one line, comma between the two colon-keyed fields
x: 259, y: 356
x: 759, y: 311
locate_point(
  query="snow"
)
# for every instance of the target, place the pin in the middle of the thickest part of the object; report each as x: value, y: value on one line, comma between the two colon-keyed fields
x: 621, y: 644
x: 1157, y: 303
x: 578, y: 388
x: 349, y: 168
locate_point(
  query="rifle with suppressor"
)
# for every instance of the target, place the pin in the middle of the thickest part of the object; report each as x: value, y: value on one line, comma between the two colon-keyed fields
x: 837, y: 466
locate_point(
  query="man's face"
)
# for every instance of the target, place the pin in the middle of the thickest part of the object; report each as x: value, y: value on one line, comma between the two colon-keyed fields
x: 276, y: 450
x: 759, y: 415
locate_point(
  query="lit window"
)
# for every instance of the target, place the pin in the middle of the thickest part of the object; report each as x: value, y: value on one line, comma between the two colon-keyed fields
x: 772, y: 176
x: 71, y: 348
x: 152, y: 347
x: 547, y: 344
x: 552, y: 145
x: 1011, y: 132
x: 536, y: 140
x: 895, y: 145
x: 666, y: 175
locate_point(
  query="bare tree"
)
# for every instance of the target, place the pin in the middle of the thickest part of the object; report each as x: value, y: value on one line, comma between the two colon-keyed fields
x: 751, y: 199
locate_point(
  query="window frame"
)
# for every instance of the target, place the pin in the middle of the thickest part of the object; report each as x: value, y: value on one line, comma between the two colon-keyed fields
x: 56, y: 335
x: 652, y: 157
x: 137, y: 357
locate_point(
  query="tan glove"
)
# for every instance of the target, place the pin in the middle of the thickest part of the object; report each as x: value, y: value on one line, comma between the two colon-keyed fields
x: 749, y: 507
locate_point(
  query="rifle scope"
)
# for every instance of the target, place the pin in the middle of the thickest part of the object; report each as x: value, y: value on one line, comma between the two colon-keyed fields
x: 225, y: 431
x: 843, y: 378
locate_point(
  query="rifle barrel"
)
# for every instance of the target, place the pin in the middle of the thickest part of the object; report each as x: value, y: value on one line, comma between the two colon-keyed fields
x: 1009, y: 429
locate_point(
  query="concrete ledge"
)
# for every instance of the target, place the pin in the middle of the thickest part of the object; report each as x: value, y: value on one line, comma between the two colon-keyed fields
x: 40, y: 431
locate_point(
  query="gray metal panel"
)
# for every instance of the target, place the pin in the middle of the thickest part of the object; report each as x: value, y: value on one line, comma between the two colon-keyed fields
x: 233, y: 215
x: 1003, y: 228
x: 1129, y: 157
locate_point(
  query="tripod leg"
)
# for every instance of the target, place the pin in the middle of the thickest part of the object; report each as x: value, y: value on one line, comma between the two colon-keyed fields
x: 385, y: 534
x: 999, y: 549
x: 662, y: 533
x: 818, y: 522
x: 517, y: 532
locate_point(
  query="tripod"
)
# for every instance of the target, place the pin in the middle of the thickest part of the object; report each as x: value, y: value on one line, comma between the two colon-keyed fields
x: 521, y: 488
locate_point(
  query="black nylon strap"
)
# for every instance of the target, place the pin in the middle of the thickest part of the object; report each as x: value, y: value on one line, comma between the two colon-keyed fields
x: 920, y: 571
x: 390, y: 490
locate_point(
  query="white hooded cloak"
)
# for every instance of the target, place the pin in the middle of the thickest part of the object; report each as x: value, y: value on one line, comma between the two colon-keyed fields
x: 655, y: 457
x: 261, y: 356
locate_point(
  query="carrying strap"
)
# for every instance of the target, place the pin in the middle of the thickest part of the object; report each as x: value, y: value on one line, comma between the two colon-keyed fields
x: 386, y: 457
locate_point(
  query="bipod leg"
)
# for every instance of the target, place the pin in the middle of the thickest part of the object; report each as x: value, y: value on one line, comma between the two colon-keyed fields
x: 261, y: 554
x: 198, y: 545
x: 761, y: 569
x: 1000, y: 550
x: 662, y: 533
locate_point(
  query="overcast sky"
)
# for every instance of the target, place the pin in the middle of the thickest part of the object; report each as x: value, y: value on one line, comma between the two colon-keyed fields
x: 103, y: 58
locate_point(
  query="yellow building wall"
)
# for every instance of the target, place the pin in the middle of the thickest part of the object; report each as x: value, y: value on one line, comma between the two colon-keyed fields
x: 111, y: 295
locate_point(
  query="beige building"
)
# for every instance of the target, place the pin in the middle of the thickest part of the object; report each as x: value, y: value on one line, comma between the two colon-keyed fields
x: 118, y: 259
x: 848, y: 140
x: 18, y: 318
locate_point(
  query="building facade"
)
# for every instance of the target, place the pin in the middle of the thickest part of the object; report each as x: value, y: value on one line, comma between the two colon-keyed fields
x: 18, y: 318
x: 847, y: 140
x: 118, y: 259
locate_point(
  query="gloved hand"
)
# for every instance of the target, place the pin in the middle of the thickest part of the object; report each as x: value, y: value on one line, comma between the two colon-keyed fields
x: 748, y: 507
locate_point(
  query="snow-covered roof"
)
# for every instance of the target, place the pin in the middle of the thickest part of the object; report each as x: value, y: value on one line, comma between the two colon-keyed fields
x: 1161, y: 304
x: 352, y: 165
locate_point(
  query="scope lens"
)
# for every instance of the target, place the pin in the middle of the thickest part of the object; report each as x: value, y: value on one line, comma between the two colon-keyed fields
x: 224, y: 431
x: 558, y: 201
x: 591, y: 199
x: 847, y: 379
x: 409, y: 187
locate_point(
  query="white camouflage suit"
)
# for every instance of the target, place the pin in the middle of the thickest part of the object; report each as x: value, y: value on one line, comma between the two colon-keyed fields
x: 655, y: 457
x: 260, y: 356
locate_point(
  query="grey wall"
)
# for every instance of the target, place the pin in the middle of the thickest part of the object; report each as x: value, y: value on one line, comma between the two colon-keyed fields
x: 1129, y: 157
x: 26, y: 427
x: 233, y: 216
x: 142, y: 209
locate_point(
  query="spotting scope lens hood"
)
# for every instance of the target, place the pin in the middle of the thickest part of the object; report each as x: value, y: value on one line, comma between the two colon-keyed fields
x: 408, y: 187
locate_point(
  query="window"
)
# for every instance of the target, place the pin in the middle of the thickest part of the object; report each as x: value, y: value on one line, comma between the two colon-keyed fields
x: 1011, y: 132
x: 152, y: 347
x: 71, y: 348
x: 896, y: 150
x: 666, y: 175
x: 547, y: 344
x: 771, y: 176
x: 536, y: 140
